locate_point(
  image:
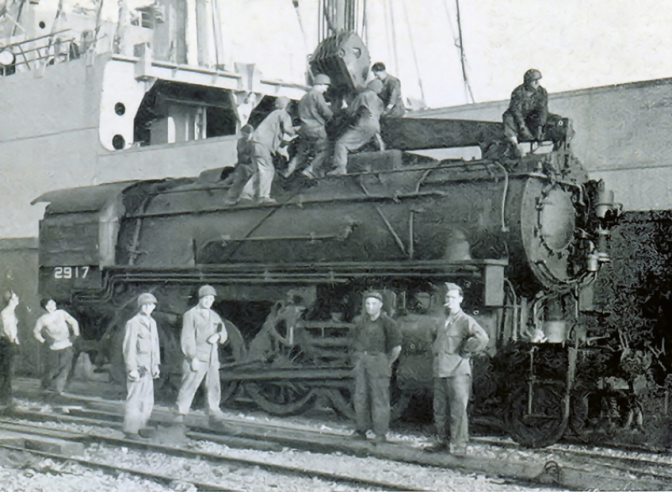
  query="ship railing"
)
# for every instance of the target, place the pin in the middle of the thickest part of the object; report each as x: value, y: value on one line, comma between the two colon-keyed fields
x: 49, y: 49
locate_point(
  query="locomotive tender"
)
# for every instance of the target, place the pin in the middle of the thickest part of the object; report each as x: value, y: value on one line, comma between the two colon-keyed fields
x: 523, y: 236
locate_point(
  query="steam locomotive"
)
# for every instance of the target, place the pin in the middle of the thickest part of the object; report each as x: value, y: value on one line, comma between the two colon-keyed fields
x: 524, y: 236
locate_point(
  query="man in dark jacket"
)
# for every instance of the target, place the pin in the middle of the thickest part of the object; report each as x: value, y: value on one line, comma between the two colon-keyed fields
x: 376, y: 342
x: 314, y: 112
x: 391, y: 92
x: 457, y: 337
x: 244, y: 167
x: 365, y: 110
x: 528, y: 110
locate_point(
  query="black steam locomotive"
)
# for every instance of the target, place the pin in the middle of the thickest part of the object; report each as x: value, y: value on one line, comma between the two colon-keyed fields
x: 525, y: 237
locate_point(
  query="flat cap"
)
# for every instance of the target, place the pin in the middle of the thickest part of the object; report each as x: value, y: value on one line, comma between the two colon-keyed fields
x: 451, y: 286
x: 207, y: 290
x: 247, y: 129
x: 146, y: 298
x: 375, y: 294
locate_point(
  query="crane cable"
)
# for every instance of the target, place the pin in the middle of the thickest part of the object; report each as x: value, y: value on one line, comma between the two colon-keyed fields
x: 457, y: 40
x: 415, y: 55
x: 303, y: 31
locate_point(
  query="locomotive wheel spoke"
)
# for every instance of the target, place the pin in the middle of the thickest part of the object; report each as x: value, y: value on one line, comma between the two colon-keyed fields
x: 544, y: 425
x: 281, y: 398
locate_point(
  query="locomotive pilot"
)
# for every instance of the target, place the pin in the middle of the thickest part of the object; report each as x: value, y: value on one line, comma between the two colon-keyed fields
x: 376, y: 343
x: 457, y: 338
x: 56, y: 325
x: 202, y: 333
x: 142, y: 359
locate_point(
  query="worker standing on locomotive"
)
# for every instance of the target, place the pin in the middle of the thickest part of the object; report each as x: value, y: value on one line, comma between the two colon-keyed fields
x: 365, y: 110
x: 56, y: 325
x: 267, y: 139
x: 391, y: 92
x: 314, y: 112
x: 528, y: 110
x: 142, y: 358
x: 202, y: 332
x: 457, y: 337
x: 376, y: 343
x: 9, y: 342
x: 244, y: 169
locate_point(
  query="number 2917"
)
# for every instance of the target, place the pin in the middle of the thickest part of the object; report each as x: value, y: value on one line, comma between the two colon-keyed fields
x: 61, y: 273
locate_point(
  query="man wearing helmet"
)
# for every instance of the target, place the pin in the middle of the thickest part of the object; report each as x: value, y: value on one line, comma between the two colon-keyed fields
x: 314, y: 112
x: 365, y: 111
x: 202, y: 332
x: 267, y: 139
x: 391, y: 92
x: 142, y: 359
x: 528, y: 110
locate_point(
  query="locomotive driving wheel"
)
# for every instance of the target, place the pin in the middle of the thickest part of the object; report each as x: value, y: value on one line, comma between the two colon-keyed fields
x: 281, y: 397
x: 535, y: 418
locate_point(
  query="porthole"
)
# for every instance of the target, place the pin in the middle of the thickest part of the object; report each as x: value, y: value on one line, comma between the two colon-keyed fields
x: 119, y: 108
x: 42, y: 25
x: 118, y: 142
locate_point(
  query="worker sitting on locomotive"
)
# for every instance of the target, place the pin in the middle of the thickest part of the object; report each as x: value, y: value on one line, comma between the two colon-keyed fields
x: 202, y: 331
x: 314, y: 112
x: 141, y: 358
x: 457, y: 337
x: 244, y: 169
x: 365, y: 110
x: 56, y: 325
x: 391, y: 92
x: 9, y: 342
x: 376, y: 344
x: 267, y: 139
x: 527, y: 117
x: 284, y: 316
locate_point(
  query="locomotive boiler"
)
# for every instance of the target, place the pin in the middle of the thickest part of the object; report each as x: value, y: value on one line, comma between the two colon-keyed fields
x: 523, y: 236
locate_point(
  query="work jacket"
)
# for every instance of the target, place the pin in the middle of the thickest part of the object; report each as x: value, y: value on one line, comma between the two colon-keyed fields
x: 198, y: 325
x: 457, y: 338
x: 141, y: 344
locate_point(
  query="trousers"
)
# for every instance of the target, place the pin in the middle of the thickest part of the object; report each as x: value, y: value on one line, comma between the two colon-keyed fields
x: 456, y: 391
x: 313, y: 142
x: 260, y: 183
x: 59, y: 363
x: 191, y: 380
x: 139, y: 402
x: 372, y: 394
x: 7, y: 351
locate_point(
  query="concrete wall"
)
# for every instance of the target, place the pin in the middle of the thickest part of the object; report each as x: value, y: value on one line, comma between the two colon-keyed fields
x: 622, y: 136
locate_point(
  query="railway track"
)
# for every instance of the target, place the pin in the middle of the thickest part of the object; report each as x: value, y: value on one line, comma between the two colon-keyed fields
x: 561, y: 465
x: 195, y: 455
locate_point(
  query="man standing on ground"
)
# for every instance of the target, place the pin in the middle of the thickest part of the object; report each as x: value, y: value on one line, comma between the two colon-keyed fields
x: 267, y: 139
x: 376, y: 342
x: 9, y: 343
x: 314, y: 113
x: 202, y: 332
x: 457, y: 338
x: 365, y: 110
x: 391, y: 92
x: 56, y: 325
x: 142, y: 358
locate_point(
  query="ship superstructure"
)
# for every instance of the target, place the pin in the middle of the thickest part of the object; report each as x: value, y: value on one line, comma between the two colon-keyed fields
x: 87, y: 101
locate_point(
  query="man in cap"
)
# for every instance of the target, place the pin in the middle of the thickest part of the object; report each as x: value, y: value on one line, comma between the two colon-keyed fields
x: 56, y: 325
x: 391, y: 92
x: 9, y: 342
x: 376, y: 343
x: 267, y: 139
x: 244, y: 169
x: 142, y: 359
x: 528, y: 110
x: 457, y: 337
x: 314, y: 112
x: 365, y: 111
x: 202, y: 332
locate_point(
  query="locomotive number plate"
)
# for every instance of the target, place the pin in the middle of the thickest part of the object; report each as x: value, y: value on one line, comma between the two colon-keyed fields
x: 67, y: 273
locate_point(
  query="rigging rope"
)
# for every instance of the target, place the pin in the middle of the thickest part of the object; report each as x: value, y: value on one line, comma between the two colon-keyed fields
x: 415, y: 55
x: 463, y: 58
x: 394, y: 38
